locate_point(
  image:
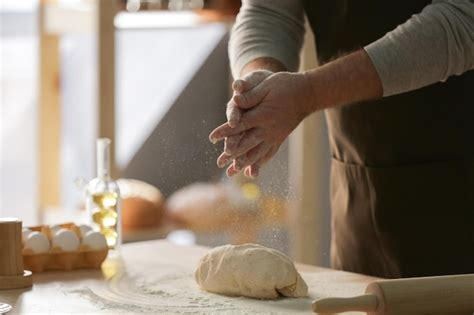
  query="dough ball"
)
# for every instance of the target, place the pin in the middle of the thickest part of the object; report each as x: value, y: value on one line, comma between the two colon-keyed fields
x: 66, y: 240
x: 249, y: 270
x: 37, y: 242
x: 94, y: 240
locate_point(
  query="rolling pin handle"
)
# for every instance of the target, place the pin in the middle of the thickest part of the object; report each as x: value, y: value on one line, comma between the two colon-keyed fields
x: 362, y: 303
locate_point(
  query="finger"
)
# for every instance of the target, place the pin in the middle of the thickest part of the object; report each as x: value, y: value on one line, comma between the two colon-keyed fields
x: 253, y: 170
x: 250, y: 81
x: 268, y: 156
x: 252, y: 156
x: 223, y: 160
x: 248, y: 120
x: 231, y: 171
x: 249, y: 140
x: 233, y: 114
x: 247, y: 171
x: 232, y: 142
x: 250, y: 98
x: 240, y: 86
x: 224, y: 131
x: 218, y: 133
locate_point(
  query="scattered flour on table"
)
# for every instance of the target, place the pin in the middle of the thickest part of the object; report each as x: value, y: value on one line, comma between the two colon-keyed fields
x: 174, y: 291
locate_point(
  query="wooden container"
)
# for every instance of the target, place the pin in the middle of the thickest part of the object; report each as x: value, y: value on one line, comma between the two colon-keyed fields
x: 56, y: 259
x: 12, y: 274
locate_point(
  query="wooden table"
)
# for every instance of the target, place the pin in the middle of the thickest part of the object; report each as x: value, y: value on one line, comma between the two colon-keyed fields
x: 156, y: 277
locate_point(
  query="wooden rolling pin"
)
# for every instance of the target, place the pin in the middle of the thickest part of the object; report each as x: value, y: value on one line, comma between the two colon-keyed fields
x: 427, y: 295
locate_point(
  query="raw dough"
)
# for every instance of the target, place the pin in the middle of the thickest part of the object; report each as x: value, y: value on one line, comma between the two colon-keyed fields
x: 249, y: 270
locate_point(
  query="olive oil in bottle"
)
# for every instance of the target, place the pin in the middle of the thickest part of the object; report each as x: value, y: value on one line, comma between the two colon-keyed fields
x: 103, y: 198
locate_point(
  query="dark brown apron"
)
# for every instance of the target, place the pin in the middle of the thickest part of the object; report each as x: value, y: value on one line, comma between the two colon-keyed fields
x: 402, y: 181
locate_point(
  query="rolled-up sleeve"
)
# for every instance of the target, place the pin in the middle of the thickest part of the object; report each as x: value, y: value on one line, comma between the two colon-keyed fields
x: 430, y: 47
x: 266, y: 28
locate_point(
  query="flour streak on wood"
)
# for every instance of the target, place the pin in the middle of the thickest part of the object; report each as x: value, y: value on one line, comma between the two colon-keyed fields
x: 172, y: 289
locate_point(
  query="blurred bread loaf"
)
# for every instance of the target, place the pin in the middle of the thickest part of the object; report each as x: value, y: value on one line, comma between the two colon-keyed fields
x: 142, y: 205
x: 209, y: 207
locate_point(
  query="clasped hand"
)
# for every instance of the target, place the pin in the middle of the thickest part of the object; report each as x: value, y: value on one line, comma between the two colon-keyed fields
x: 263, y: 111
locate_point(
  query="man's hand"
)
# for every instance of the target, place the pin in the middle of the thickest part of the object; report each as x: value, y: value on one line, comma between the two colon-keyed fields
x: 283, y: 101
x: 240, y: 86
x: 234, y: 113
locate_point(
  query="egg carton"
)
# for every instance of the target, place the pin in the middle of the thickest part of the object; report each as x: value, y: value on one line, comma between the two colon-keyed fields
x: 57, y: 259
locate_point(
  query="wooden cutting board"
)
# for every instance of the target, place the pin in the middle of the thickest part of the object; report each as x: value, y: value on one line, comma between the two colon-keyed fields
x: 156, y: 276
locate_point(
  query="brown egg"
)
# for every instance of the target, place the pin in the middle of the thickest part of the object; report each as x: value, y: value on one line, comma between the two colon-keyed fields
x: 142, y: 205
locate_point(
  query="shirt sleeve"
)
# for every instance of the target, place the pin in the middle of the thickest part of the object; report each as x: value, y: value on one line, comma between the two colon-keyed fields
x: 266, y: 28
x: 430, y: 47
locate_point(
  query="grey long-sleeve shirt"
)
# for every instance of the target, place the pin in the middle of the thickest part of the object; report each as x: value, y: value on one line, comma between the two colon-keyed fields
x: 429, y: 47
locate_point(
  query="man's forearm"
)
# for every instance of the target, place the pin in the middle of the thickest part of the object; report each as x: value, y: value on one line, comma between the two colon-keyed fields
x: 267, y: 29
x: 430, y: 47
x: 347, y: 80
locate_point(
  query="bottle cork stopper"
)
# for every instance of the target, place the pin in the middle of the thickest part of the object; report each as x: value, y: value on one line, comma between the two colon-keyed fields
x: 12, y: 275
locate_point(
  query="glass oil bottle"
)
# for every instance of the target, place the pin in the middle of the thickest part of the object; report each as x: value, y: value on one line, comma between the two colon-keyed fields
x: 103, y: 198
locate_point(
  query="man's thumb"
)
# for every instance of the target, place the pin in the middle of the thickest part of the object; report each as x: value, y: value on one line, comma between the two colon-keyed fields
x: 249, y: 99
x: 250, y: 81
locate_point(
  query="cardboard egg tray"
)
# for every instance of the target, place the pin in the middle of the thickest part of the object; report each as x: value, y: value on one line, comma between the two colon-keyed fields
x: 56, y: 259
